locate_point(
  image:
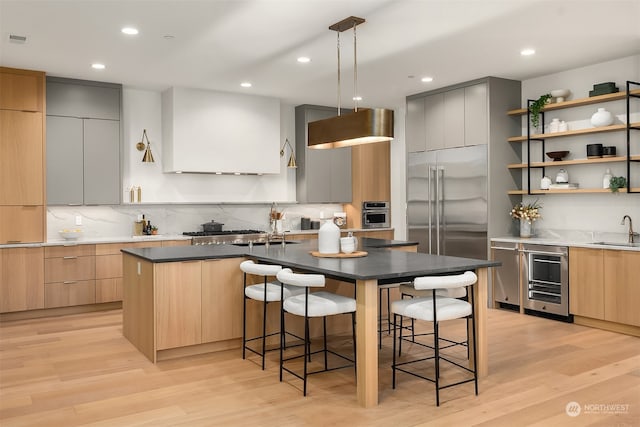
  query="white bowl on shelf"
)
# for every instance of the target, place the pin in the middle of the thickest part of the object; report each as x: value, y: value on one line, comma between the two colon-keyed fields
x: 559, y: 94
x: 71, y: 233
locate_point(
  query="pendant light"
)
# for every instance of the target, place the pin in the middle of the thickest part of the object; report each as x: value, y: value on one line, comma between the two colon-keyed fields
x: 363, y: 126
x: 148, y: 156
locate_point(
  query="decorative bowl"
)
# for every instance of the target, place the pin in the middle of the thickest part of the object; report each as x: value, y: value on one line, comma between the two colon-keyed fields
x: 559, y: 94
x: 557, y: 155
x: 71, y: 234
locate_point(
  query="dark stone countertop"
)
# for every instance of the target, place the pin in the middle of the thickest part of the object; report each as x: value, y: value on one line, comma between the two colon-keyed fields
x: 379, y: 264
x: 370, y: 242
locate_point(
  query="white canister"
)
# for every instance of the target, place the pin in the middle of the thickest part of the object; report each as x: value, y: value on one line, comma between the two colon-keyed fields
x: 563, y: 126
x: 329, y: 238
x: 601, y: 118
x: 545, y: 183
x: 554, y: 125
x: 606, y: 179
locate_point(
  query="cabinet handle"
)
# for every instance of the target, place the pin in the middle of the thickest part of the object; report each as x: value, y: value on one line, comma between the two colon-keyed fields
x: 69, y: 257
x: 69, y: 282
x: 12, y: 242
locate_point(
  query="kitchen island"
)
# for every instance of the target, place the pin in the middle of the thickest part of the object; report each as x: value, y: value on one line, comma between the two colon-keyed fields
x: 153, y: 290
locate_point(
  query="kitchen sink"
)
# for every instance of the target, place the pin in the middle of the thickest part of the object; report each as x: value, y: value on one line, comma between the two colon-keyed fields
x: 631, y: 245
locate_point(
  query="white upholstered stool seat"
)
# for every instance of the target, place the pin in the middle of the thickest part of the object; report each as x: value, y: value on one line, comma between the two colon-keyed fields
x: 435, y: 309
x: 308, y: 305
x: 265, y: 292
x: 422, y: 308
x: 408, y: 289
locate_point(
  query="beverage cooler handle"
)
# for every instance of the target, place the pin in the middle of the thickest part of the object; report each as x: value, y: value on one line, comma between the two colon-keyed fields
x: 442, y: 224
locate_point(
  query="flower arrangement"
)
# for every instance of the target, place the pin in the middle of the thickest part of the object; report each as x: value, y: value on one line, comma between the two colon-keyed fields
x: 529, y: 212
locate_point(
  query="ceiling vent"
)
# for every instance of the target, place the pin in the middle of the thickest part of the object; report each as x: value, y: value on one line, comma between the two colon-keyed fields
x: 14, y: 38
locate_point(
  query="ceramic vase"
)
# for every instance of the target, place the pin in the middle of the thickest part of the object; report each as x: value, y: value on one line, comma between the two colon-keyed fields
x: 526, y: 228
x: 329, y: 238
x: 601, y: 118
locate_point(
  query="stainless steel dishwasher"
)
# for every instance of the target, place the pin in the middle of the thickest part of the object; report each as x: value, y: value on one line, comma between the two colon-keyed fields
x: 506, y: 278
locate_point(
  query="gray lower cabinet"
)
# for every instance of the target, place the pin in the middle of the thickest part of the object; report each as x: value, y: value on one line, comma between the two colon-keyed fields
x: 83, y: 142
x: 83, y: 161
x: 323, y: 176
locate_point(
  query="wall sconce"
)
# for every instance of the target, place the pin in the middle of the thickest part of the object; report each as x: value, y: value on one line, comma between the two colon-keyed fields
x: 292, y: 160
x: 148, y: 157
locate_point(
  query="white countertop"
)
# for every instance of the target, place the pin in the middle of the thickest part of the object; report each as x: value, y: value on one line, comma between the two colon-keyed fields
x: 88, y: 240
x: 574, y: 241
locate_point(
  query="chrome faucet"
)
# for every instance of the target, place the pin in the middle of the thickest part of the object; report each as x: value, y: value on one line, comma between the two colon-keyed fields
x: 631, y: 233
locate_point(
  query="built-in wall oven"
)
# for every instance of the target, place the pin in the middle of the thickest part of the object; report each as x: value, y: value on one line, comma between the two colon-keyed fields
x: 545, y: 279
x: 375, y: 215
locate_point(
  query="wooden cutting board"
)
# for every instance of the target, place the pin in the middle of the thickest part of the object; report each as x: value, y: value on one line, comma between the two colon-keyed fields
x: 355, y: 254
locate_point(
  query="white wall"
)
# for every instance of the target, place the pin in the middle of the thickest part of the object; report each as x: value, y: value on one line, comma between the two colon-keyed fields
x: 588, y: 212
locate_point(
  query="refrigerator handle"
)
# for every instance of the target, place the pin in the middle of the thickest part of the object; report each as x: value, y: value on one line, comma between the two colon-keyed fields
x: 430, y: 205
x: 437, y: 198
x: 443, y: 223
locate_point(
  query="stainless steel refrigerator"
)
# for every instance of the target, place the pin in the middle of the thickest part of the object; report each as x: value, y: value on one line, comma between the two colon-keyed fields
x: 447, y: 201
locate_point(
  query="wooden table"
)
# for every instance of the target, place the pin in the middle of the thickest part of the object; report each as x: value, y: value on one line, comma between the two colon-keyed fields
x: 378, y: 267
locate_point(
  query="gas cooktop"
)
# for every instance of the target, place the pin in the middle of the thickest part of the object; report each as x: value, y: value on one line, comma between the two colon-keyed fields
x: 220, y: 233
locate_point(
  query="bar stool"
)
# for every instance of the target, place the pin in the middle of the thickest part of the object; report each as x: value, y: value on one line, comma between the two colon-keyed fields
x: 436, y: 309
x: 316, y: 304
x: 386, y: 287
x: 265, y: 292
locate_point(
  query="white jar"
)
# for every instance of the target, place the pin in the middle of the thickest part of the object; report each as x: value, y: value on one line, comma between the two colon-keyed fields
x: 545, y: 183
x: 601, y: 118
x: 554, y: 125
x: 606, y: 179
x: 563, y: 127
x: 329, y: 238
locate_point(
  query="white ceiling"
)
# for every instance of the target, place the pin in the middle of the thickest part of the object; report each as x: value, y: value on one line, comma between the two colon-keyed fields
x: 217, y: 44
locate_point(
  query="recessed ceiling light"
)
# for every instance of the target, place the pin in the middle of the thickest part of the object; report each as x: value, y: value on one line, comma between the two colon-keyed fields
x: 304, y: 59
x: 97, y: 66
x: 245, y: 84
x: 236, y: 173
x: 130, y: 31
x: 218, y: 173
x: 426, y: 79
x: 168, y: 37
x: 527, y: 52
x: 357, y: 98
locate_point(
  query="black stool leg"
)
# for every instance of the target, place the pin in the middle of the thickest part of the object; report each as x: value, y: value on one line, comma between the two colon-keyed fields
x: 393, y: 364
x: 244, y: 317
x: 324, y: 328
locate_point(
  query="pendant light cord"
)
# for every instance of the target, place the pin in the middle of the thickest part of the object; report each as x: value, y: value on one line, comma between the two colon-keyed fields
x: 338, y: 32
x: 355, y: 69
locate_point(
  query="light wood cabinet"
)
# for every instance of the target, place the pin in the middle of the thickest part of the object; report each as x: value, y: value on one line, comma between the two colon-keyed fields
x: 221, y: 299
x: 586, y: 272
x: 69, y: 275
x: 22, y: 187
x: 370, y: 177
x: 21, y: 90
x: 22, y: 224
x: 604, y: 285
x: 622, y: 287
x: 21, y: 279
x: 166, y: 243
x: 109, y: 269
x: 178, y: 302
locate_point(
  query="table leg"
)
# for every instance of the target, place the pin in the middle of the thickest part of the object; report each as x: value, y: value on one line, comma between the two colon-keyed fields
x: 480, y: 302
x: 367, y: 342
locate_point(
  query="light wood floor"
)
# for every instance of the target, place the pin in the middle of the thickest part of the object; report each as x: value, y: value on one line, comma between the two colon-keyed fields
x: 79, y: 370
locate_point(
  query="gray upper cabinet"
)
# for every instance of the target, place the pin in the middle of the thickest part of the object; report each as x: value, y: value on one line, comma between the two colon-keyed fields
x: 415, y: 125
x: 65, y: 176
x: 323, y: 176
x: 79, y: 98
x: 447, y: 118
x: 83, y: 142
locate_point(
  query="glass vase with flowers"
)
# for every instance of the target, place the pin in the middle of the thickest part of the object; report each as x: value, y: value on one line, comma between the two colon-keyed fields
x: 527, y: 214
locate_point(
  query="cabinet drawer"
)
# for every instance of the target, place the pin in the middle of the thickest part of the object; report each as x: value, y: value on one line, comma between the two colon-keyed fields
x: 108, y: 266
x: 108, y: 290
x: 69, y: 250
x: 69, y: 269
x: 69, y: 293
